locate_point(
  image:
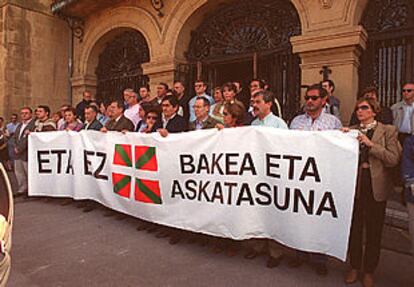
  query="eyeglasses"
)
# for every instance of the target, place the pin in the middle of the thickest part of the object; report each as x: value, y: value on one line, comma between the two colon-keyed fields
x: 363, y: 108
x: 152, y: 118
x: 198, y: 85
x: 313, y: 98
x: 407, y: 90
x: 225, y: 113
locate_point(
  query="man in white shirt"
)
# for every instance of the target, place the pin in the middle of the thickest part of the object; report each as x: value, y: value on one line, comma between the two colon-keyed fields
x: 132, y: 112
x: 403, y: 113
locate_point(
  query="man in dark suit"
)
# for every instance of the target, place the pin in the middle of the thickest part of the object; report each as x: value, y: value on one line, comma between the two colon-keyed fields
x: 80, y: 107
x: 203, y: 120
x: 20, y: 142
x: 171, y: 122
x: 118, y: 121
x: 91, y: 123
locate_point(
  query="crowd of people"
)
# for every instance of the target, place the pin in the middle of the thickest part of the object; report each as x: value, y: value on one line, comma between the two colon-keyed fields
x: 382, y: 133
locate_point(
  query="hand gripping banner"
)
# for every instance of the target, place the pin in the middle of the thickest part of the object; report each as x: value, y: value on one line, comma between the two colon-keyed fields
x: 295, y: 187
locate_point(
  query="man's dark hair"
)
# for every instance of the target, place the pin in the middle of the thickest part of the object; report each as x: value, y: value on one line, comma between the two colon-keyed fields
x: 144, y: 87
x: 146, y: 107
x: 27, y: 108
x: 322, y: 92
x: 171, y: 99
x: 119, y: 103
x: 45, y: 108
x: 164, y: 85
x: 14, y: 114
x: 200, y: 81
x: 206, y: 102
x: 93, y: 107
x: 268, y: 96
x: 330, y: 83
x: 178, y: 81
x: 261, y: 83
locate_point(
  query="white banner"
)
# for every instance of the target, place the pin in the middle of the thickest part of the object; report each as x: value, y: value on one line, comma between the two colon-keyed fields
x: 295, y: 187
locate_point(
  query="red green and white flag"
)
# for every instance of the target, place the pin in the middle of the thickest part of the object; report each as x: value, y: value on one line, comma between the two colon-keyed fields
x: 145, y: 190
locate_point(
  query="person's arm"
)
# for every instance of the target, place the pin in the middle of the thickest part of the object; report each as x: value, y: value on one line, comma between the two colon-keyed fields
x: 390, y: 153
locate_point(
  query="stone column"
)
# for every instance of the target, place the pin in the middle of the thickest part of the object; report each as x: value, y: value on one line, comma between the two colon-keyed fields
x: 159, y: 70
x: 81, y: 84
x: 339, y: 50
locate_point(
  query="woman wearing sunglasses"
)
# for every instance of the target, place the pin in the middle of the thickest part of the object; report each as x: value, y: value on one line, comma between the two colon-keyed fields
x: 379, y: 151
x: 152, y: 119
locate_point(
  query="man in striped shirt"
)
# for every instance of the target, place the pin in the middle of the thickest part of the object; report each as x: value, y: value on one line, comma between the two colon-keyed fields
x: 314, y: 120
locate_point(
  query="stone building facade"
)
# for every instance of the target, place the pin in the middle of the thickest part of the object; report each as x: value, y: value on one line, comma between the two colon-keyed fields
x: 105, y: 46
x: 34, y: 55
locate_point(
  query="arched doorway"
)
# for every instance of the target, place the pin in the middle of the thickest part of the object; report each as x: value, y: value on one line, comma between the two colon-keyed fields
x: 242, y: 40
x: 119, y: 65
x: 389, y: 59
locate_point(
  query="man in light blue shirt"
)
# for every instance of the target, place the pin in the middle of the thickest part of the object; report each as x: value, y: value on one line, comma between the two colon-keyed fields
x: 200, y: 89
x: 262, y: 103
x: 403, y: 113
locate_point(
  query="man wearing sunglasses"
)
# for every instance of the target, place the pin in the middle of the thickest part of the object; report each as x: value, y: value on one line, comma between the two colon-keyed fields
x: 314, y: 119
x: 403, y: 113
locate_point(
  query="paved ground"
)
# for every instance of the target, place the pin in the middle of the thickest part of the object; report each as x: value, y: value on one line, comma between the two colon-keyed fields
x: 57, y: 245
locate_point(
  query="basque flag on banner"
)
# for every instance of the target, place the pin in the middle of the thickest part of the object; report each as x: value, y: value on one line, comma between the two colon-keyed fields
x: 146, y: 191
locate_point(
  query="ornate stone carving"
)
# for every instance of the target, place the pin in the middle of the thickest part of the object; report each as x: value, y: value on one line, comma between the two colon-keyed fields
x: 158, y: 5
x: 384, y: 15
x: 245, y: 26
x: 77, y: 25
x: 326, y: 4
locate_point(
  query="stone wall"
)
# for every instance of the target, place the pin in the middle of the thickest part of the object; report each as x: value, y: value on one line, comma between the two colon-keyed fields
x: 34, y: 55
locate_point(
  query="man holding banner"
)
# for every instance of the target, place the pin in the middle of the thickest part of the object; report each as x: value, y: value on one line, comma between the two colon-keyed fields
x: 262, y: 104
x: 314, y: 119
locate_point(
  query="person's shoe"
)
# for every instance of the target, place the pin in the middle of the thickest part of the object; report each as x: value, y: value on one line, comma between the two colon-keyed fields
x: 174, y: 240
x: 321, y: 269
x: 109, y: 213
x: 162, y: 234
x: 120, y: 217
x: 88, y: 207
x: 216, y: 249
x: 81, y: 204
x: 66, y: 202
x: 18, y: 194
x: 368, y: 280
x: 295, y: 262
x: 351, y: 277
x: 152, y: 228
x: 251, y: 254
x: 231, y: 252
x: 273, y: 262
x: 142, y: 227
x: 203, y: 241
